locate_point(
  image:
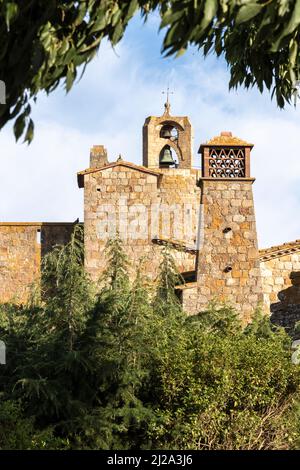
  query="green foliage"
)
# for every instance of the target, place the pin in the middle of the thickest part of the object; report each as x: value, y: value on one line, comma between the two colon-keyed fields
x: 125, y: 368
x: 227, y: 391
x: 114, y: 344
x: 15, y: 431
x: 45, y: 364
x: 166, y: 300
x: 259, y: 40
x: 19, y: 433
x: 116, y: 273
x: 66, y: 290
x: 222, y: 320
x: 44, y: 44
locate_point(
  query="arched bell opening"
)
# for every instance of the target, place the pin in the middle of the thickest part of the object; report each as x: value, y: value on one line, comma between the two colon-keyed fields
x: 168, y: 131
x: 168, y: 158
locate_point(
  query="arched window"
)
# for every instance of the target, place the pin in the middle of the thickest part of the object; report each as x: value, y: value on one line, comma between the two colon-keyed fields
x: 169, y: 131
x: 168, y: 158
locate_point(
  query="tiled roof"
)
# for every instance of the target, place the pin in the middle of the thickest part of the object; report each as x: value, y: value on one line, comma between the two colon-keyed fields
x: 264, y: 254
x: 279, y: 250
x: 227, y: 139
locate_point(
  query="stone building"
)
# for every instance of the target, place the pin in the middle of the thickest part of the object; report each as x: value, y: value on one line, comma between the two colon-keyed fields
x: 206, y: 217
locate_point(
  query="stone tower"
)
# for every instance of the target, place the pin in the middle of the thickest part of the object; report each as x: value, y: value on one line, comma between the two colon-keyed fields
x: 173, y: 133
x: 228, y: 259
x: 149, y: 205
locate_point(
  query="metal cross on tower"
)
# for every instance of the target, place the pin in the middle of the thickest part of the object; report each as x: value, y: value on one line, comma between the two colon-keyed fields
x: 167, y: 103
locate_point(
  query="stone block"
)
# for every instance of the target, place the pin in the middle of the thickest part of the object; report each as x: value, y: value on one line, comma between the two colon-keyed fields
x: 238, y: 218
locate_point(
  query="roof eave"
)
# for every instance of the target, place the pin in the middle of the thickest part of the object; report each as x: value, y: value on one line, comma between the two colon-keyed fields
x: 132, y: 166
x: 246, y: 145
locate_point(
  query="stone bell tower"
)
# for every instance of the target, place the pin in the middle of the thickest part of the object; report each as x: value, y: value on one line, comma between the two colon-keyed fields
x: 167, y: 141
x: 227, y: 265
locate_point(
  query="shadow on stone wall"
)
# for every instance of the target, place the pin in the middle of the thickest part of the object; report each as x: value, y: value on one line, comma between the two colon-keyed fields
x: 55, y: 234
x: 286, y: 312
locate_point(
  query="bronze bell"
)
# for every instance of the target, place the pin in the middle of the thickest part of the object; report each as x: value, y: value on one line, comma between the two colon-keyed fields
x: 166, y: 158
x: 166, y: 133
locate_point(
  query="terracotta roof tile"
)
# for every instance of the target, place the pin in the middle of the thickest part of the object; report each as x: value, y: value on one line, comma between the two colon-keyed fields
x: 279, y: 250
x: 227, y: 139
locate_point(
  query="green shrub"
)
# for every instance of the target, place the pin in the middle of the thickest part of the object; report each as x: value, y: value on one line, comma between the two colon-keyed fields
x: 126, y: 368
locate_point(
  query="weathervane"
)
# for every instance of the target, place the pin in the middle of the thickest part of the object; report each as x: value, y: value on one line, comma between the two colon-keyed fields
x: 167, y: 103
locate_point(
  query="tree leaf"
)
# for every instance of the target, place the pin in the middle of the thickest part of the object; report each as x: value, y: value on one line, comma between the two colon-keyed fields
x: 210, y: 9
x: 100, y: 22
x: 290, y: 27
x: 247, y: 12
x: 11, y: 11
x: 70, y: 77
x: 29, y: 132
x: 19, y: 125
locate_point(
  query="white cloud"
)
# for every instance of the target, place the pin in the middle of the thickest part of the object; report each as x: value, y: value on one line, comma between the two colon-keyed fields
x: 109, y: 105
x: 38, y: 181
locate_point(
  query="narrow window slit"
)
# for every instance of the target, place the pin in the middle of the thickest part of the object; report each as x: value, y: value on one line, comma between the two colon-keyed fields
x: 38, y: 236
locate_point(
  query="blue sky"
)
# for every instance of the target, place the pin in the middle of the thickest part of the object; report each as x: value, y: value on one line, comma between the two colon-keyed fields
x: 108, y: 106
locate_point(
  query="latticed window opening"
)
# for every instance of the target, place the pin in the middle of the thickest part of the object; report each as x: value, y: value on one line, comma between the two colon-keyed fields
x: 227, y: 163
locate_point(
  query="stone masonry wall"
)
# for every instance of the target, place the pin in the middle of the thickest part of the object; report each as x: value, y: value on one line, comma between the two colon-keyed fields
x: 281, y: 288
x: 276, y: 276
x: 228, y: 267
x: 179, y: 191
x: 127, y: 200
x: 280, y: 278
x: 20, y: 258
x: 21, y: 253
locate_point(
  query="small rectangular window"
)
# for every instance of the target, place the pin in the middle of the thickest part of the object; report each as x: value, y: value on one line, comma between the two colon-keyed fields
x: 38, y: 236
